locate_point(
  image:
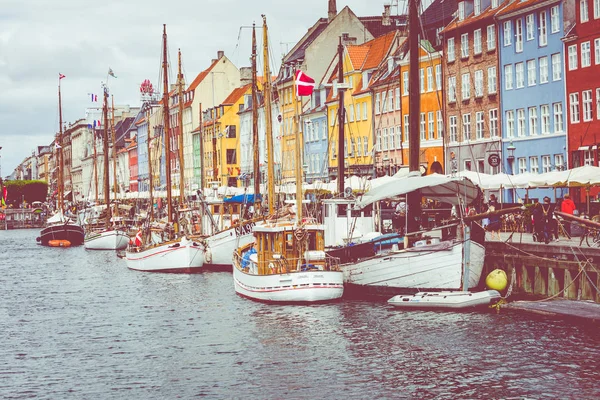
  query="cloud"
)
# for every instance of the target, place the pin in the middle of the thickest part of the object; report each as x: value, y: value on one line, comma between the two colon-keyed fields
x: 82, y: 39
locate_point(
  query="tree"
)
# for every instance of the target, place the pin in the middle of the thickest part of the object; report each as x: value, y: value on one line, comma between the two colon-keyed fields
x: 29, y: 191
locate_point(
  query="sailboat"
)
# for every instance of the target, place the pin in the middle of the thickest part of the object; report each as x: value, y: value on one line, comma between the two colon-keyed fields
x: 60, y: 231
x: 287, y: 262
x: 109, y: 237
x: 183, y: 255
x: 431, y: 260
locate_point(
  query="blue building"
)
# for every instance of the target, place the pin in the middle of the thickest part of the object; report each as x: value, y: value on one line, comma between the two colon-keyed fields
x: 532, y: 85
x: 316, y: 160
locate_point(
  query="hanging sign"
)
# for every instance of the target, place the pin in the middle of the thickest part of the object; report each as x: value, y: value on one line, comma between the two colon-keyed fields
x: 494, y: 160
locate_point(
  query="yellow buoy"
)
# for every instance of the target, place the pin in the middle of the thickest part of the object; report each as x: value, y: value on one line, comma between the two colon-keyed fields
x: 496, y: 280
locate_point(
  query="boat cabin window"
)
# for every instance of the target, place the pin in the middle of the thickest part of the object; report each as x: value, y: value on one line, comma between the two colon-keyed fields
x: 368, y: 211
x: 342, y: 210
x: 312, y: 240
x: 289, y: 241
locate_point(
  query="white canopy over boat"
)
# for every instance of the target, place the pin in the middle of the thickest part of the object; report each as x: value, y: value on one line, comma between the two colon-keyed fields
x: 439, y: 187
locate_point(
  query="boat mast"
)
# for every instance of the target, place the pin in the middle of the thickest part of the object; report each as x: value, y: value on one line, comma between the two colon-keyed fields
x: 268, y: 120
x: 167, y: 124
x: 298, y: 156
x: 59, y: 153
x: 150, y: 178
x: 105, y: 158
x: 114, y: 153
x: 181, y: 160
x: 341, y: 119
x: 95, y: 165
x: 413, y: 199
x: 255, y: 150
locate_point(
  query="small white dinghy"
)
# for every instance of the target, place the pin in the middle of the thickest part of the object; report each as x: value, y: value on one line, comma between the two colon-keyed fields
x: 450, y: 300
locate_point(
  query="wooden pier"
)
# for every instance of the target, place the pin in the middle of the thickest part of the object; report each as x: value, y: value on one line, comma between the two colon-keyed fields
x: 564, y: 273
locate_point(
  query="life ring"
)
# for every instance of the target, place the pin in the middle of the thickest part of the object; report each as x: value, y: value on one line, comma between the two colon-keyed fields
x: 207, y: 256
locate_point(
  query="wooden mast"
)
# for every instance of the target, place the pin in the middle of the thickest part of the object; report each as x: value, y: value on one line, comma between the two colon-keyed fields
x: 298, y: 155
x: 413, y: 199
x: 150, y: 178
x: 95, y: 165
x: 167, y: 127
x: 255, y: 149
x: 59, y: 154
x: 180, y: 115
x: 268, y: 120
x: 201, y: 150
x: 340, y: 121
x: 105, y: 158
x: 114, y: 154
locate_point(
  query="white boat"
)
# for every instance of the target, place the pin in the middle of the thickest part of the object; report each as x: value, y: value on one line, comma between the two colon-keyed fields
x: 222, y: 245
x: 441, y: 300
x: 178, y: 256
x: 454, y: 263
x: 277, y: 275
x: 111, y: 239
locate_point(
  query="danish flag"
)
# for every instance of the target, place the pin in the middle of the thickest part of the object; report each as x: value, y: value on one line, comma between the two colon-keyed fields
x: 304, y: 84
x: 138, y: 238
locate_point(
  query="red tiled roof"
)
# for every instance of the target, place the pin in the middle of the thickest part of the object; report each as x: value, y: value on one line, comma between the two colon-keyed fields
x: 201, y: 76
x: 236, y: 94
x: 370, y: 54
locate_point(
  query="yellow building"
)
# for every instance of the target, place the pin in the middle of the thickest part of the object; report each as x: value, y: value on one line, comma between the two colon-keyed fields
x: 360, y: 63
x: 222, y: 140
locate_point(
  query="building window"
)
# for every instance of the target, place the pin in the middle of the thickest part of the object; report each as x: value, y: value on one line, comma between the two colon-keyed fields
x: 231, y: 156
x: 556, y: 67
x: 479, y: 123
x: 383, y: 101
x: 588, y: 157
x: 357, y: 112
x: 451, y: 89
x: 558, y: 117
x: 545, y: 111
x: 491, y: 37
x: 398, y: 136
x: 422, y: 130
x: 596, y: 9
x: 350, y: 113
x: 508, y: 77
x: 466, y: 86
x: 529, y: 26
x: 405, y: 83
x: 464, y: 45
x: 559, y: 162
x: 507, y: 33
x: 533, y: 121
x: 468, y: 165
x: 574, y: 107
x: 365, y: 146
x: 572, y: 57
x: 365, y: 111
x: 519, y: 75
x: 453, y: 129
x: 451, y: 50
x: 397, y: 98
x: 477, y: 41
x: 477, y: 7
x: 583, y: 11
x: 438, y: 77
x: 378, y: 139
x: 554, y: 20
x: 332, y: 117
x: 543, y: 29
x: 586, y: 99
x: 377, y: 103
x: 383, y: 139
x: 531, y: 72
x: 466, y: 127
x: 478, y: 83
x: 597, y: 51
x: 481, y: 166
x: 519, y: 35
x: 522, y: 165
x: 429, y: 79
x: 391, y: 138
x: 586, y: 57
x: 510, y: 124
x: 461, y: 10
x: 421, y: 80
x: 546, y: 165
x: 598, y: 103
x: 406, y: 127
x: 543, y: 69
x: 520, y: 122
x: 494, y: 123
x: 390, y: 101
x: 440, y: 124
x: 430, y: 125
x: 534, y: 165
x: 492, y: 85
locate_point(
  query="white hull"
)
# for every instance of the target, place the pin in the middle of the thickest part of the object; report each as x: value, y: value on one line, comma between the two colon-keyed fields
x: 430, y: 267
x: 223, y: 244
x: 450, y: 300
x: 184, y: 256
x: 106, y: 240
x: 295, y: 287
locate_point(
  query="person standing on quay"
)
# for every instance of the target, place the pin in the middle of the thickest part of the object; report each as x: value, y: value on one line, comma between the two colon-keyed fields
x: 568, y: 207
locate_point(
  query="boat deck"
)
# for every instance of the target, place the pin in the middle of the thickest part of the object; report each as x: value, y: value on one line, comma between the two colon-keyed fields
x: 583, y: 311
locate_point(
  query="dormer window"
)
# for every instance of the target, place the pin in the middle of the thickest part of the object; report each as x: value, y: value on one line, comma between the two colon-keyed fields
x: 461, y: 10
x: 494, y: 3
x: 477, y: 7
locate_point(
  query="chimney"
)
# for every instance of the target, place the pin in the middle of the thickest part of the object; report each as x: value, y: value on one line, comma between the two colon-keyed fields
x: 346, y: 39
x: 332, y: 11
x: 245, y: 76
x: 385, y: 19
x: 220, y: 54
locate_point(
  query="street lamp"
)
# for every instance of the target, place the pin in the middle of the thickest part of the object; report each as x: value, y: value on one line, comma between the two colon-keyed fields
x: 511, y: 156
x: 386, y: 164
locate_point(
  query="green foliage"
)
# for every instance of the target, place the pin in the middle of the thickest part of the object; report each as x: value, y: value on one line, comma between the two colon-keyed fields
x: 30, y: 191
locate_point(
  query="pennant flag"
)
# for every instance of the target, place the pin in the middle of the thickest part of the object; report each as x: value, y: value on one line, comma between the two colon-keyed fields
x: 304, y: 84
x: 94, y: 97
x: 60, y: 76
x: 57, y: 146
x: 111, y: 73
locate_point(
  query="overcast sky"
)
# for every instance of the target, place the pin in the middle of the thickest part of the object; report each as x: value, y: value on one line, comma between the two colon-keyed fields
x: 81, y: 39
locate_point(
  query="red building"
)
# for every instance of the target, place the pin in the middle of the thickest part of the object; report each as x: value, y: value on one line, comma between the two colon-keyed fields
x: 582, y: 71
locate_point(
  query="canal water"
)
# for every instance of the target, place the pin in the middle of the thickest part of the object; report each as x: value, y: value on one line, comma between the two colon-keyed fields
x: 78, y: 324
